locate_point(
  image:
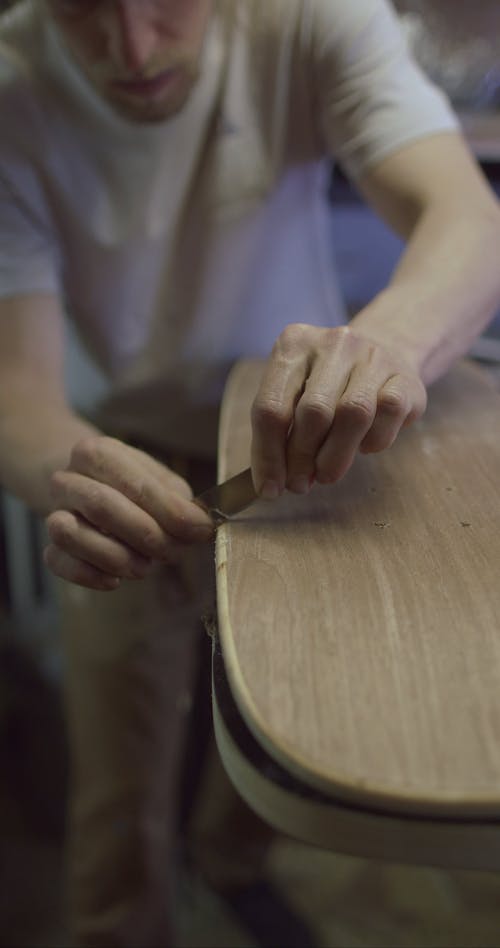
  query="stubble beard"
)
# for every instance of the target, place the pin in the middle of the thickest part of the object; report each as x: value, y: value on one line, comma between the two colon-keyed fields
x: 152, y: 110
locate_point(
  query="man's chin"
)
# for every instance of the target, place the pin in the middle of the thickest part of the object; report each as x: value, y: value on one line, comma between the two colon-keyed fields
x: 150, y: 109
x: 146, y: 112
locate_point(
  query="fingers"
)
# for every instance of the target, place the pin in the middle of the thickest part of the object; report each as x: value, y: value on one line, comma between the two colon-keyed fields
x: 116, y: 511
x: 109, y: 512
x: 83, y: 555
x: 112, y: 512
x: 365, y: 420
x: 314, y: 416
x: 273, y: 410
x: 77, y: 571
x: 75, y: 537
x: 400, y: 402
x: 149, y: 485
x: 325, y: 395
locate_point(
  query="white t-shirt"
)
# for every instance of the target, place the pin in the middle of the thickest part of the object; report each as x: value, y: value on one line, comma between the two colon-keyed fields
x: 180, y: 247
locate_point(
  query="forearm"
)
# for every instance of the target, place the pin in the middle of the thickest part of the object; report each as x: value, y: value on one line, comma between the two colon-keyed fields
x: 36, y: 438
x: 444, y: 292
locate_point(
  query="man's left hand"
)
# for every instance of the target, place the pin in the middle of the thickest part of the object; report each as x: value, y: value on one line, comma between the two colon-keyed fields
x: 325, y: 395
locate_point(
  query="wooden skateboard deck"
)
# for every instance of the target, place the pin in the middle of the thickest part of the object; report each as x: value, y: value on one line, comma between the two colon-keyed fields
x: 360, y: 627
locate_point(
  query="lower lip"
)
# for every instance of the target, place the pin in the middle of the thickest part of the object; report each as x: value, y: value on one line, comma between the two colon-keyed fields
x: 148, y: 88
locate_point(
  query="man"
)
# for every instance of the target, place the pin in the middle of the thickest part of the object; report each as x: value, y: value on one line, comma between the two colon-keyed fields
x: 163, y: 170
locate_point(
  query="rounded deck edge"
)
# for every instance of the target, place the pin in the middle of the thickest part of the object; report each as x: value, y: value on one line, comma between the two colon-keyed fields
x: 313, y: 817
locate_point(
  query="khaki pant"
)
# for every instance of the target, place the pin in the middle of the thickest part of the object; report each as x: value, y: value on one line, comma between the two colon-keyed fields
x: 130, y: 670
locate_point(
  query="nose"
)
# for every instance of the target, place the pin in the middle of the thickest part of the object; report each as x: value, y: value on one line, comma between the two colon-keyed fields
x: 133, y: 36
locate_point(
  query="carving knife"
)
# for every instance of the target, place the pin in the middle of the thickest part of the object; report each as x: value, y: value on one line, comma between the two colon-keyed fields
x: 229, y: 498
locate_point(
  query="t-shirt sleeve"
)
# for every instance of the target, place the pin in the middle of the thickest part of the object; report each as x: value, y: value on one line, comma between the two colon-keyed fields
x: 371, y: 97
x: 29, y: 259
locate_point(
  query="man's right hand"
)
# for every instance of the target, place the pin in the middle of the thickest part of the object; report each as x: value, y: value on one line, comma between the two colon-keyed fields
x: 117, y: 511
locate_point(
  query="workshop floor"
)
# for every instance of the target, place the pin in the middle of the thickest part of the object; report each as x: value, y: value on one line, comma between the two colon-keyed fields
x: 351, y: 903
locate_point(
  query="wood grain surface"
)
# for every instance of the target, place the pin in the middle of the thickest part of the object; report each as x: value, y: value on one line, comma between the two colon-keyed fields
x: 360, y: 626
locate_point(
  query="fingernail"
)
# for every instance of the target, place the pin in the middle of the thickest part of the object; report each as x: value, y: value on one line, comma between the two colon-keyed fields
x: 111, y: 582
x: 269, y: 490
x: 324, y: 479
x: 139, y: 568
x: 202, y: 533
x: 300, y: 485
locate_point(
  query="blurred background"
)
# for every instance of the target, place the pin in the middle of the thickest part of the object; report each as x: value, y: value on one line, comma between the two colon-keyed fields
x: 350, y: 902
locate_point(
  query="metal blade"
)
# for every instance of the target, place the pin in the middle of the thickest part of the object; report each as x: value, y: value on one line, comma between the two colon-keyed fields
x: 227, y: 499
